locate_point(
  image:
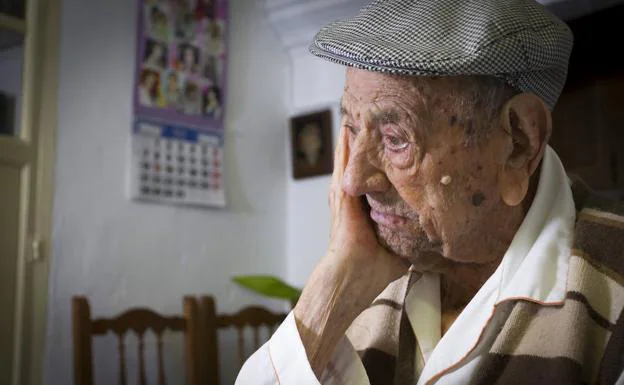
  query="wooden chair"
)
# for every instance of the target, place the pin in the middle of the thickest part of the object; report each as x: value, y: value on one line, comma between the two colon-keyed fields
x: 138, y: 320
x: 254, y: 317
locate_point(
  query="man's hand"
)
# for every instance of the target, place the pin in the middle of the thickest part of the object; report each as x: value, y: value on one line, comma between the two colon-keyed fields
x: 352, y: 274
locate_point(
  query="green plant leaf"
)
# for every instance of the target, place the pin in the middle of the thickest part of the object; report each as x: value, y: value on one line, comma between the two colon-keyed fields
x: 268, y: 286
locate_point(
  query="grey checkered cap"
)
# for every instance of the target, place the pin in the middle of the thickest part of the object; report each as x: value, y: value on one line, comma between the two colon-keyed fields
x: 517, y: 40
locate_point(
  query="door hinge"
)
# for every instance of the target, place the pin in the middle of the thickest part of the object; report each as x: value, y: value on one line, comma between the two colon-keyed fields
x: 37, y: 250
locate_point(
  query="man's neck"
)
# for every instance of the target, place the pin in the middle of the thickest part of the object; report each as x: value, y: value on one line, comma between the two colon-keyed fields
x: 458, y: 286
x: 461, y: 282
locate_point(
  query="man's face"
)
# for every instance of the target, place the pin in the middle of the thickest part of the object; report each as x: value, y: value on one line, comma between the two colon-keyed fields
x: 430, y: 188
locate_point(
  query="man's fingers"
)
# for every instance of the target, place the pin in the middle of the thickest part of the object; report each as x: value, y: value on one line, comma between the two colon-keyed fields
x: 341, y: 157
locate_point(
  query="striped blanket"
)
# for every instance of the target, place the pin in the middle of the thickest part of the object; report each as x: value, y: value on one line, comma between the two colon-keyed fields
x: 579, y: 341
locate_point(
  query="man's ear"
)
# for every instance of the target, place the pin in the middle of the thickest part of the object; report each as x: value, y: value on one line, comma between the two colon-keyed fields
x: 528, y: 122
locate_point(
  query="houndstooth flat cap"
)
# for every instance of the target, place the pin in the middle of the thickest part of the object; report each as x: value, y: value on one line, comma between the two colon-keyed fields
x: 517, y: 40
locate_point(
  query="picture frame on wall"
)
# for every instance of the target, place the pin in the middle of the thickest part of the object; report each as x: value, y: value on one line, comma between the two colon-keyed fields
x: 311, y: 144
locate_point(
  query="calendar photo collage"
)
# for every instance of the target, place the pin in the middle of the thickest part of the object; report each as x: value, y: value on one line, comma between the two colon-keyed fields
x: 177, y: 165
x: 181, y: 61
x: 178, y: 124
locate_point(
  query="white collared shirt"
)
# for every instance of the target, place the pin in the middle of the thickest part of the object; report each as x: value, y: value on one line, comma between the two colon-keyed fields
x: 534, y: 268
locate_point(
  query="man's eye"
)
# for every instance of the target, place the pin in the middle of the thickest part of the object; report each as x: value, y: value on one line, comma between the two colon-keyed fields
x: 352, y: 130
x: 395, y: 143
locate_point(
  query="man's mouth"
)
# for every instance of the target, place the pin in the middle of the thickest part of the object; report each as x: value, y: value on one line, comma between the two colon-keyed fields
x: 388, y: 220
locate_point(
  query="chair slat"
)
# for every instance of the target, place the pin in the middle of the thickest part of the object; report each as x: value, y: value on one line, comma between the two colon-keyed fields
x: 241, y: 345
x: 161, y: 366
x: 256, y: 332
x: 138, y: 320
x: 142, y: 379
x: 250, y: 316
x: 121, y: 348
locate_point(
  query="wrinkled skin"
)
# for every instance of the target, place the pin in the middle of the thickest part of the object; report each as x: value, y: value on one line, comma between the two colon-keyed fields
x: 400, y: 138
x: 402, y: 144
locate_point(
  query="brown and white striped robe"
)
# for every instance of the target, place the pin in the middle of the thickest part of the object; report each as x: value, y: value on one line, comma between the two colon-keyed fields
x: 578, y: 341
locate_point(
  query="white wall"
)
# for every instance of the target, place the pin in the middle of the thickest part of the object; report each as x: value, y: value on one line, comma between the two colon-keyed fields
x: 120, y: 253
x: 316, y: 84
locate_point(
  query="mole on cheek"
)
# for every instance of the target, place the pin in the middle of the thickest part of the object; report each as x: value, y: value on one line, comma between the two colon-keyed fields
x: 477, y: 199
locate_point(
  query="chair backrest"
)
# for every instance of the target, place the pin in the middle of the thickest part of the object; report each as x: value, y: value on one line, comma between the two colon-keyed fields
x: 138, y: 320
x: 253, y: 317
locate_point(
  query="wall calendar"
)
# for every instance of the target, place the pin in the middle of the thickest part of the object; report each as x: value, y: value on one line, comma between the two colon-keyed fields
x: 177, y: 131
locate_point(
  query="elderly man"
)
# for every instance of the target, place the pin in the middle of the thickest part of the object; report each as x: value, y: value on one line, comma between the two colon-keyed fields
x: 457, y: 252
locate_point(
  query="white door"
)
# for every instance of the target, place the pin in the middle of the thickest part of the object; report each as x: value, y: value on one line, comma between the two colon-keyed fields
x: 27, y: 99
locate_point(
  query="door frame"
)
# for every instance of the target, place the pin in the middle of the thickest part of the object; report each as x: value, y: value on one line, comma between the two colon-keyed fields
x: 39, y: 120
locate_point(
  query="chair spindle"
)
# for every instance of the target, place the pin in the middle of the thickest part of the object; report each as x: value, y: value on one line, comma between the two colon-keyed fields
x: 241, y: 345
x: 121, y: 347
x: 161, y: 366
x: 256, y: 331
x: 142, y: 379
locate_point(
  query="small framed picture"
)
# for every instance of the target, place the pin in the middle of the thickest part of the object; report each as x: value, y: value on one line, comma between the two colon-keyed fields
x: 311, y: 141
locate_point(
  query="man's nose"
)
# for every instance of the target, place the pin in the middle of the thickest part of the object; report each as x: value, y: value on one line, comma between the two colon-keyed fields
x: 361, y: 175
